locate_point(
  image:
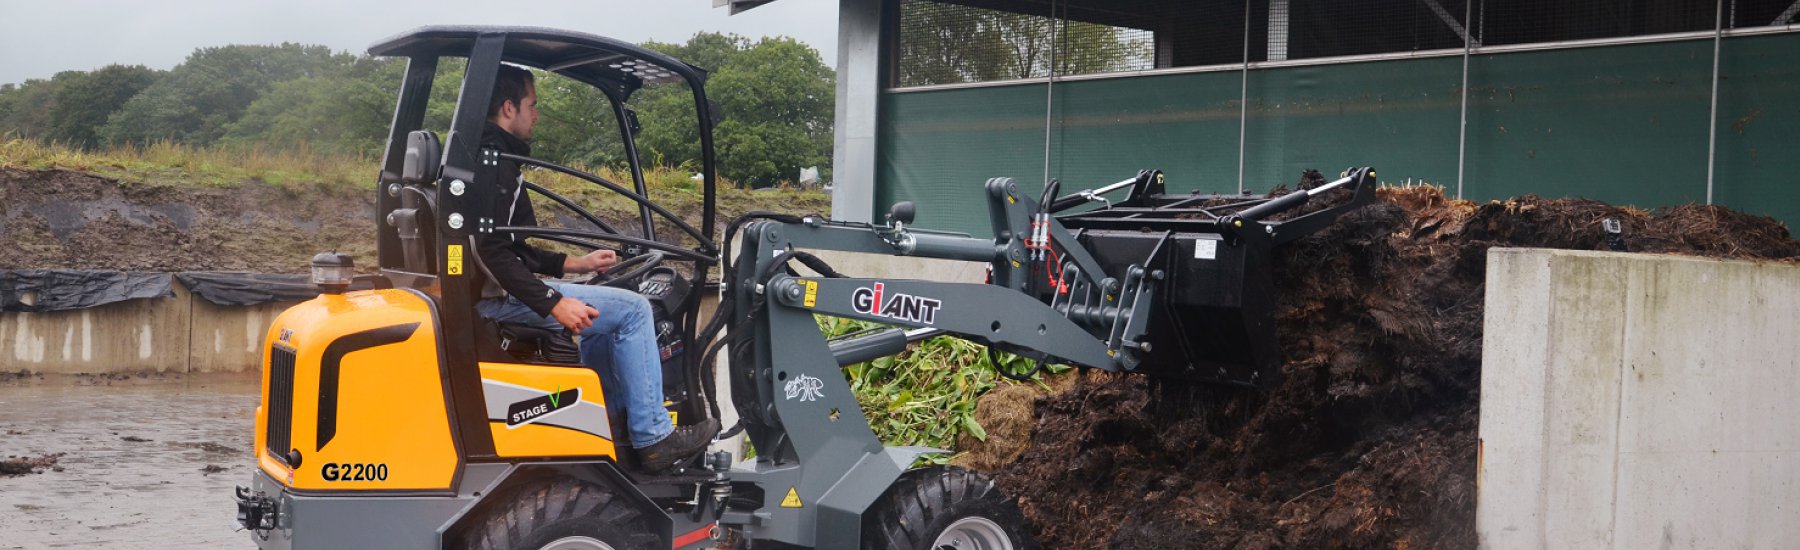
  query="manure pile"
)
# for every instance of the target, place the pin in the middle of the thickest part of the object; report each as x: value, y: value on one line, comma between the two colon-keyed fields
x: 1370, y: 438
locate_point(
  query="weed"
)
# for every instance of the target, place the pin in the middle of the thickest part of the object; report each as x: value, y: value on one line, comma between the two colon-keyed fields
x: 927, y: 394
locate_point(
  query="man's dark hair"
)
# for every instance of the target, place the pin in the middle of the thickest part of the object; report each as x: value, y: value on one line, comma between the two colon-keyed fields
x: 509, y: 85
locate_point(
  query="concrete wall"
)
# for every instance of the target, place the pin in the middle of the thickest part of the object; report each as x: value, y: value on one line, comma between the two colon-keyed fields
x: 903, y: 267
x: 1639, y: 401
x: 180, y: 334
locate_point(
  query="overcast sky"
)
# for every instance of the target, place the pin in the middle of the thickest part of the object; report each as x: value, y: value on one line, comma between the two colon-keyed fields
x: 39, y: 38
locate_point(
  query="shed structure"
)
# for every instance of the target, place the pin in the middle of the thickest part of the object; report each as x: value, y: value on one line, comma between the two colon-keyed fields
x: 1642, y: 102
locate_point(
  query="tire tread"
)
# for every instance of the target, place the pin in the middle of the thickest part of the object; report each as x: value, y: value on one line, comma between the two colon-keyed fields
x: 561, y: 505
x: 919, y: 505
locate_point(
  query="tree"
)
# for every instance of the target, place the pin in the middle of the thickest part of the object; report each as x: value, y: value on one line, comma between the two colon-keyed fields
x: 25, y: 109
x: 778, y: 99
x: 85, y: 100
x: 343, y: 111
x: 948, y: 44
x: 198, y: 99
x: 576, y: 124
x: 775, y: 98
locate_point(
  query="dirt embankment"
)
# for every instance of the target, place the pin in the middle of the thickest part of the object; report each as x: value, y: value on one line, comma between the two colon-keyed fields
x: 75, y: 220
x: 1370, y: 439
x: 64, y: 219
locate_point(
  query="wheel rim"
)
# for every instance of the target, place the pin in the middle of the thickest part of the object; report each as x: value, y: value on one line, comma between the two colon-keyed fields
x: 973, y: 533
x: 577, y: 543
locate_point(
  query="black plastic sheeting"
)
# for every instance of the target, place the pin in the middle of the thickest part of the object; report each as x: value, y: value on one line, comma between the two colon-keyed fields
x: 248, y: 289
x: 39, y: 290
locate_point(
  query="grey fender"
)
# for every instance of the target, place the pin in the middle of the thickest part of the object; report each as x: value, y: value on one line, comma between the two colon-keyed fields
x: 841, y: 507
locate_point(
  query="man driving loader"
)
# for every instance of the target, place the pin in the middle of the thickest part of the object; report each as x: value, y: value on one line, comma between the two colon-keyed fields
x: 617, y: 336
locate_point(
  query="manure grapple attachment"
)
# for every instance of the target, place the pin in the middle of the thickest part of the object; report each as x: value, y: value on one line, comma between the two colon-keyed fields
x: 1213, y: 318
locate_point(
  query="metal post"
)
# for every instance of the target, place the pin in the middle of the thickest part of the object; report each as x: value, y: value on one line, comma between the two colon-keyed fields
x: 1244, y: 98
x: 1712, y: 119
x: 860, y: 66
x: 1050, y: 91
x: 1462, y: 128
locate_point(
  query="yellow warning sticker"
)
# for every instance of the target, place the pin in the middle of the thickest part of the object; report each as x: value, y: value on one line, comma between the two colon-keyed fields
x: 812, y: 293
x: 792, y: 500
x: 453, y: 255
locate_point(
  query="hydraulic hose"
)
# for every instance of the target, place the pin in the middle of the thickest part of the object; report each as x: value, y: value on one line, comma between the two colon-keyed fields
x: 994, y: 359
x: 741, y: 339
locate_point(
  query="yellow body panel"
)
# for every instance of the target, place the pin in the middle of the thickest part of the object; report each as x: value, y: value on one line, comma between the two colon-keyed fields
x: 547, y: 438
x: 392, y: 431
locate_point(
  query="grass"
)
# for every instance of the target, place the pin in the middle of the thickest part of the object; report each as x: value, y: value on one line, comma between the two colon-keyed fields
x: 172, y: 164
x: 167, y: 163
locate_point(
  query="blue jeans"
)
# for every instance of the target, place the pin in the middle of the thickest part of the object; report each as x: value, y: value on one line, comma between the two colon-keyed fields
x: 621, y: 346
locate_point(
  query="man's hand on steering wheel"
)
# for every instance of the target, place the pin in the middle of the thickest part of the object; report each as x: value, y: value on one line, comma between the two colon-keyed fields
x: 623, y: 273
x: 594, y: 262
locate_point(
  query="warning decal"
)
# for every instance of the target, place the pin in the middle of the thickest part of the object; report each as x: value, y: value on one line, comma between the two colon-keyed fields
x: 453, y: 256
x: 792, y: 500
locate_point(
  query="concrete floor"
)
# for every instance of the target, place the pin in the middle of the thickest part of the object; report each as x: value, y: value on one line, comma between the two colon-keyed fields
x: 146, y: 463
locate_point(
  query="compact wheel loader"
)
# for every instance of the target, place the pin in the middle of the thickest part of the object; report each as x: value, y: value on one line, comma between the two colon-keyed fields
x: 394, y: 416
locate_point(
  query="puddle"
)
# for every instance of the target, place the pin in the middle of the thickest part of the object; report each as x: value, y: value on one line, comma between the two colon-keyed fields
x: 146, y: 462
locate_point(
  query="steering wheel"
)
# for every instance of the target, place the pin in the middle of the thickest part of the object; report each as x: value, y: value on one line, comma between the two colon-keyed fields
x: 629, y: 269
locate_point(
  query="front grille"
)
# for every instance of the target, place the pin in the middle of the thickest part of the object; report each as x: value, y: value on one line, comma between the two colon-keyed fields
x: 281, y: 402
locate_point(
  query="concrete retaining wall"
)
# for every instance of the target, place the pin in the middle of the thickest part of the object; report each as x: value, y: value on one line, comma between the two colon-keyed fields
x: 180, y: 334
x: 903, y: 267
x: 1639, y: 401
x: 189, y: 334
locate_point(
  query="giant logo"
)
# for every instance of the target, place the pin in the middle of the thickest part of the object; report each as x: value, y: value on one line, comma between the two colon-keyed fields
x: 906, y: 307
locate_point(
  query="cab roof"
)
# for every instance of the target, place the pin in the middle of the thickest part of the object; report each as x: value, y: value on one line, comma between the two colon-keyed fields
x: 611, y: 65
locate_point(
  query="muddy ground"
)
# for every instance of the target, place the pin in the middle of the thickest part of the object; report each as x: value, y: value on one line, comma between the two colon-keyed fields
x: 124, y: 461
x: 1369, y: 441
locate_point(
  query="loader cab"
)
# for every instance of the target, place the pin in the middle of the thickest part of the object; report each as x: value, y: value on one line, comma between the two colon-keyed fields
x: 435, y: 193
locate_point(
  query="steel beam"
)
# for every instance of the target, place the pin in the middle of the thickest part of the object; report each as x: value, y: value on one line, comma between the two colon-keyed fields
x: 1450, y: 21
x: 1787, y: 15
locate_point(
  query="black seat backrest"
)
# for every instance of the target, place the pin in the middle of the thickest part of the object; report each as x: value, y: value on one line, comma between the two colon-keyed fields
x: 424, y: 158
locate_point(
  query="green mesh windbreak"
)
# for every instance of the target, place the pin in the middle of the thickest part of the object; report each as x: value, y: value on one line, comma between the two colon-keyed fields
x: 1398, y: 116
x: 1759, y: 126
x: 1627, y: 124
x: 1621, y: 124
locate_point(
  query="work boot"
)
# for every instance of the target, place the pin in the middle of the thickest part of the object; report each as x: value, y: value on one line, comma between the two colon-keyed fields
x: 684, y: 442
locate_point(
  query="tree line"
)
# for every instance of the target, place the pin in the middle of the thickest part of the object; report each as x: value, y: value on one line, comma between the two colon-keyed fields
x: 775, y: 97
x: 944, y: 43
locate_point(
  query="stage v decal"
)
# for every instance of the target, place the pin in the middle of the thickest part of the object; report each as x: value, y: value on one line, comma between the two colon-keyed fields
x: 518, y: 406
x: 537, y: 408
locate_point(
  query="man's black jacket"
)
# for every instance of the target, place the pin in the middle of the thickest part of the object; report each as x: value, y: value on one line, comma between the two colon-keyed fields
x: 507, y: 257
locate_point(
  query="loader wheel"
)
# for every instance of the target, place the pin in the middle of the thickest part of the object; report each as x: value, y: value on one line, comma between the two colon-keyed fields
x: 558, y: 514
x: 945, y: 508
